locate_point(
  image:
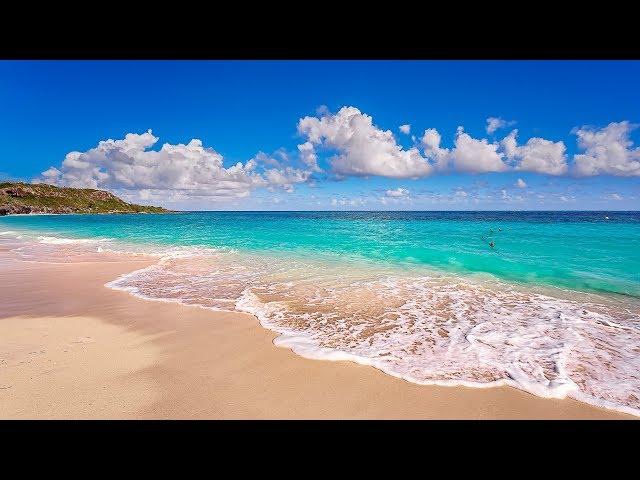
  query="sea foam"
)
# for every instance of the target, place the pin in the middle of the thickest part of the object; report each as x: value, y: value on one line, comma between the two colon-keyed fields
x: 428, y: 329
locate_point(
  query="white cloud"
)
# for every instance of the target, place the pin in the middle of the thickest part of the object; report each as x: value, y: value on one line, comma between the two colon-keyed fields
x: 308, y: 156
x: 398, y: 192
x: 366, y: 150
x: 615, y: 196
x: 495, y: 123
x: 266, y: 159
x: 174, y: 172
x: 537, y: 155
x: 521, y: 183
x: 431, y: 144
x: 607, y: 151
x: 286, y: 177
x: 468, y: 155
x: 473, y: 155
x: 363, y: 149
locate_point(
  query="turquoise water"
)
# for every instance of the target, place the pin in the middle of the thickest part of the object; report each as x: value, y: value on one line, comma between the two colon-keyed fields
x: 552, y: 308
x: 575, y: 250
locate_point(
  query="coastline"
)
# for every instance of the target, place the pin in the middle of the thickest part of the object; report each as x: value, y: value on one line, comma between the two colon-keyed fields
x: 72, y: 348
x: 49, y: 214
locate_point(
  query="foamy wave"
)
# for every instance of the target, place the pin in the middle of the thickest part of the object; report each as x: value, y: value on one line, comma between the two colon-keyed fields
x: 55, y: 249
x: 443, y: 330
x: 66, y: 241
x: 453, y: 332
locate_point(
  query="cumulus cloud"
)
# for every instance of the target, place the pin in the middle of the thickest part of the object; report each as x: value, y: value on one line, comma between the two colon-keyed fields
x: 173, y: 172
x: 495, y: 123
x: 537, y: 155
x: 432, y: 149
x: 362, y: 148
x: 473, y: 155
x: 308, y: 156
x: 398, y: 192
x: 469, y: 154
x: 266, y: 159
x: 521, y: 183
x: 607, y: 151
x: 286, y: 177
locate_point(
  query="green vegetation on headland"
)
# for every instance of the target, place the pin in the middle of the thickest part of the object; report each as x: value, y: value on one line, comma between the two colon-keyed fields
x: 18, y: 197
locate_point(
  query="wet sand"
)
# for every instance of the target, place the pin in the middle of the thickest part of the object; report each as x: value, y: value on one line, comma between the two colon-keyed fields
x: 72, y: 348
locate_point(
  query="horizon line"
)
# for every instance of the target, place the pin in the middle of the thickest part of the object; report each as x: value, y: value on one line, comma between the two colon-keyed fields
x: 411, y: 211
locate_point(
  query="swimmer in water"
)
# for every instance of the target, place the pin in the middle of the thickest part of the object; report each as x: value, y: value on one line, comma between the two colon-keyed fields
x: 491, y: 244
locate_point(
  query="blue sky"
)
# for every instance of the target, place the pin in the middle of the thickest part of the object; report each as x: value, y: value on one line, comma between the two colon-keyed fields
x: 240, y: 108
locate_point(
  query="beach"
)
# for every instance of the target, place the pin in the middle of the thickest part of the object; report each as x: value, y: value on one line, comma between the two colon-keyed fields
x: 72, y: 348
x: 382, y: 240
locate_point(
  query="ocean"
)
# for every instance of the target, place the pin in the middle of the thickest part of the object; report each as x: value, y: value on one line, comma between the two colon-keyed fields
x: 547, y: 302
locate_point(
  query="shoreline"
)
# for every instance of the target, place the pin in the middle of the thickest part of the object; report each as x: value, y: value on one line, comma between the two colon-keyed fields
x: 196, y: 363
